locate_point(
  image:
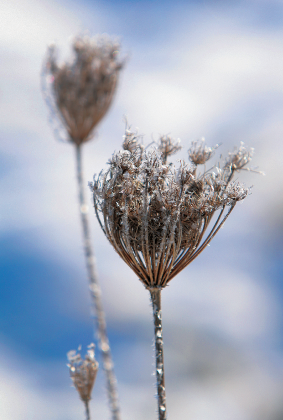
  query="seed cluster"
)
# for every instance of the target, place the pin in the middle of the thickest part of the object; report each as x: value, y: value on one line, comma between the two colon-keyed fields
x: 157, y: 216
x: 82, y: 90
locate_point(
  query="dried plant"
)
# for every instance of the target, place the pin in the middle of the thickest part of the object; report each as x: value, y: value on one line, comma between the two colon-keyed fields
x: 160, y: 218
x: 199, y: 153
x: 83, y: 373
x: 239, y: 158
x: 168, y: 146
x: 156, y: 216
x: 80, y: 93
x: 82, y: 90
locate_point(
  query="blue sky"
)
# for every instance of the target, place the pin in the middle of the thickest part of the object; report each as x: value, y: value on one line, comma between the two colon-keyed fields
x: 193, y: 69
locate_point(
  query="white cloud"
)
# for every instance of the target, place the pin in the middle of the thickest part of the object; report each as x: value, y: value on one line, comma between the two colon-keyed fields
x: 205, y: 73
x: 223, y: 299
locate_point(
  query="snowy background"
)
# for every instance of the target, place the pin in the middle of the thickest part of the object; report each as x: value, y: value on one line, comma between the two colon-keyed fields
x: 194, y: 69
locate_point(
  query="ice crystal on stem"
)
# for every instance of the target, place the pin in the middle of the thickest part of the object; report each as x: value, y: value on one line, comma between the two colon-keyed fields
x: 82, y: 90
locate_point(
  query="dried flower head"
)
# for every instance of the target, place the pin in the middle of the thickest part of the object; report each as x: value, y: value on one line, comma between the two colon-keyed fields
x: 199, y: 153
x: 156, y: 216
x: 168, y: 147
x: 83, y: 371
x: 132, y: 141
x: 239, y: 158
x: 82, y: 90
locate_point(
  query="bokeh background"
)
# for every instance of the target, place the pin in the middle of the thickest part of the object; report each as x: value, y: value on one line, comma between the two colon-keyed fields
x: 194, y: 69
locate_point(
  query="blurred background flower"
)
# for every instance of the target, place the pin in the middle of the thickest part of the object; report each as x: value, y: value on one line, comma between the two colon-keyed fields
x: 196, y: 68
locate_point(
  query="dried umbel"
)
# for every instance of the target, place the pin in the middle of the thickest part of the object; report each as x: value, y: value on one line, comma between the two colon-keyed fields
x: 83, y: 371
x: 160, y: 218
x: 82, y: 90
x: 199, y: 153
x: 239, y: 158
x: 168, y: 146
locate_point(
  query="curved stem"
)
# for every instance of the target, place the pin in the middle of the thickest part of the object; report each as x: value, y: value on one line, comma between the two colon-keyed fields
x: 95, y: 293
x: 155, y: 295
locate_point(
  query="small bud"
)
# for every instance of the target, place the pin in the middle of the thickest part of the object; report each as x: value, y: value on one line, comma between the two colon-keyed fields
x: 83, y: 371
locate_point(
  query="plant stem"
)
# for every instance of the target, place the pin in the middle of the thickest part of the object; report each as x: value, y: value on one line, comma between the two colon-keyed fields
x: 95, y: 293
x: 155, y: 295
x: 87, y: 413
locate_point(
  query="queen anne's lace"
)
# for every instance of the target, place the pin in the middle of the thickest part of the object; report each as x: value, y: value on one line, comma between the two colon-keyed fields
x: 82, y: 90
x: 157, y: 217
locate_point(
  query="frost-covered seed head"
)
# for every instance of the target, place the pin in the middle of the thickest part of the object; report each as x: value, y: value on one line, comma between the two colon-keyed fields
x: 83, y: 371
x: 238, y: 159
x: 81, y: 91
x: 156, y: 216
x: 199, y: 153
x: 132, y: 141
x: 168, y: 146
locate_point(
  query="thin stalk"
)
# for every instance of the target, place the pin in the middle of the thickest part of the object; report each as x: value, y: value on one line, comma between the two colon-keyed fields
x: 87, y: 413
x: 96, y: 301
x: 155, y: 295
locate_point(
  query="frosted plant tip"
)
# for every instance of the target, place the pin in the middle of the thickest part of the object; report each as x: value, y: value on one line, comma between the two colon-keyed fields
x: 83, y: 371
